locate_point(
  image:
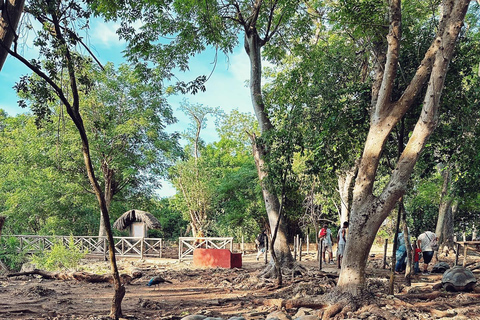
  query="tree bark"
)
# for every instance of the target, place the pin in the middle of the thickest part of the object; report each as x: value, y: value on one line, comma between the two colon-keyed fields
x: 445, y: 204
x: 11, y: 13
x: 346, y: 182
x: 369, y: 211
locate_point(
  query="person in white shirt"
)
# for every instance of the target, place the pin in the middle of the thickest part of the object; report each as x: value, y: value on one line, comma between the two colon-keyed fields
x: 425, y: 241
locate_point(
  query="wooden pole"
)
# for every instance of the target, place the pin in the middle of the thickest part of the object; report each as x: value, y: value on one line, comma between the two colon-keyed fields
x: 308, y: 243
x: 385, y: 247
x: 320, y: 251
x: 464, y: 254
x: 266, y: 249
x: 299, y: 249
x: 457, y: 253
x: 295, y: 248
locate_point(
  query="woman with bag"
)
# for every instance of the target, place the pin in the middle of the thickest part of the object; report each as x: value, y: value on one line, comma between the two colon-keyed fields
x: 427, y: 242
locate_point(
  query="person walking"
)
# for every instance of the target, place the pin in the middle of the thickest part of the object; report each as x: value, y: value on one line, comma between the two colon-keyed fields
x: 427, y: 242
x: 325, y: 235
x: 260, y: 242
x: 342, y: 240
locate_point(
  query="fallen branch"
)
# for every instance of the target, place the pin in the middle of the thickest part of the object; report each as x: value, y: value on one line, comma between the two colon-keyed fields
x: 79, y: 276
x: 424, y: 296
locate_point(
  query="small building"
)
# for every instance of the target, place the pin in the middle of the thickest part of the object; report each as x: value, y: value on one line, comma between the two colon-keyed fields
x: 138, y: 223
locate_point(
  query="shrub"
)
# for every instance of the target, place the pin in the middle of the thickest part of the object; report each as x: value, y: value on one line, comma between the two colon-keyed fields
x: 11, y: 257
x: 59, y: 257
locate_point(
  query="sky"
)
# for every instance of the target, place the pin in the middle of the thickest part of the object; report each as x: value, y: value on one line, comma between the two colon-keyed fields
x: 226, y: 87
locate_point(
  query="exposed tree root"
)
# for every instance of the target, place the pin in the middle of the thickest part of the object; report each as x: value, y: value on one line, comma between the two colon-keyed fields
x: 288, y: 269
x: 332, y: 310
x: 79, y: 276
x: 424, y: 296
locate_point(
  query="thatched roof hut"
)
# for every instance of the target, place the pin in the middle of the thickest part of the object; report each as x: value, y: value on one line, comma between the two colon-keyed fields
x: 137, y: 221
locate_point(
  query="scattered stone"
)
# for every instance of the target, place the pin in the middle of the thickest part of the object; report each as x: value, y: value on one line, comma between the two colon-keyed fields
x: 278, y: 315
x: 194, y: 317
x: 307, y: 317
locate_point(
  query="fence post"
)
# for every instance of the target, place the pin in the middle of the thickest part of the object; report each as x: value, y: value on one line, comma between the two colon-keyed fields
x: 266, y: 248
x: 242, y: 247
x: 180, y: 243
x: 161, y: 247
x: 295, y: 248
x: 308, y: 243
x: 320, y: 252
x: 142, y: 247
x: 299, y: 248
x: 105, y: 248
x: 385, y: 253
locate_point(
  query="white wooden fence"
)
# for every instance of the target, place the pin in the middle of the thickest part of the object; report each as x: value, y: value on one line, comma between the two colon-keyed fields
x: 186, y: 245
x: 124, y: 246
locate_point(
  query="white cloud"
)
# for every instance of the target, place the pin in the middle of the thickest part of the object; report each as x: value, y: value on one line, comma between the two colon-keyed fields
x: 104, y: 34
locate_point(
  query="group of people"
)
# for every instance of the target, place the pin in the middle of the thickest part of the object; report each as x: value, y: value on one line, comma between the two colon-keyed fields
x: 325, y: 235
x: 424, y: 247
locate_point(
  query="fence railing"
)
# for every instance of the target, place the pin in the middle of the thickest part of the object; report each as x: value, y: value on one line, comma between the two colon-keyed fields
x: 186, y: 245
x: 124, y: 246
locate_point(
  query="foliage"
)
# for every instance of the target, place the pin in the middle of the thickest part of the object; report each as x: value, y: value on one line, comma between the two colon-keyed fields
x: 10, y: 255
x: 59, y: 257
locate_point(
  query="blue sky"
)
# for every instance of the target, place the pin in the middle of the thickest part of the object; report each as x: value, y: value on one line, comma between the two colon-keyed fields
x: 226, y: 88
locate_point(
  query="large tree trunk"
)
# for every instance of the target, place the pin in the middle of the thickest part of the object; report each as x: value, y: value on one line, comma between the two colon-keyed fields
x: 445, y: 203
x: 369, y: 211
x: 253, y: 44
x: 11, y: 13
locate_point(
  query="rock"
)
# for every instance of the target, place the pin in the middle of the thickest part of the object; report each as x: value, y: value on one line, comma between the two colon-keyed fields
x: 307, y: 317
x: 194, y: 317
x: 303, y: 312
x: 278, y: 315
x: 236, y: 318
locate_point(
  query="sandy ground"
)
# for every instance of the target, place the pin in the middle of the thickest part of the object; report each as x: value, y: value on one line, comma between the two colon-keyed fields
x: 212, y: 292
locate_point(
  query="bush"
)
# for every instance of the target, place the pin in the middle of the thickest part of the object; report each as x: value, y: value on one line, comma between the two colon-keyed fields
x: 59, y: 257
x: 9, y: 254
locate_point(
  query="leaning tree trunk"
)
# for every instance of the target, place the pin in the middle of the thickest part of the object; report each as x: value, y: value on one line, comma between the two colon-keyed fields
x: 11, y: 13
x: 369, y: 211
x: 108, y: 193
x: 253, y: 44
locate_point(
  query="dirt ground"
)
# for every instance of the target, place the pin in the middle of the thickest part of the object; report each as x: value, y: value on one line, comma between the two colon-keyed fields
x: 224, y: 293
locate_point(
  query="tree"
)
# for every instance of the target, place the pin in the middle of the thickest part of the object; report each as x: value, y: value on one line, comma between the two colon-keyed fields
x: 57, y: 45
x: 197, y: 25
x: 368, y: 210
x: 192, y: 176
x: 131, y: 149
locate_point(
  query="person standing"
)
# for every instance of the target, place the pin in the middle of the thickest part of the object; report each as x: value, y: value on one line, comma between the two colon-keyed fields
x: 427, y: 242
x: 401, y: 253
x: 260, y: 242
x: 342, y: 240
x: 325, y: 235
x: 416, y: 257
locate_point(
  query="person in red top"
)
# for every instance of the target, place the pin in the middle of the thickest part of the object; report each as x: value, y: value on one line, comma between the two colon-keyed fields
x: 416, y: 257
